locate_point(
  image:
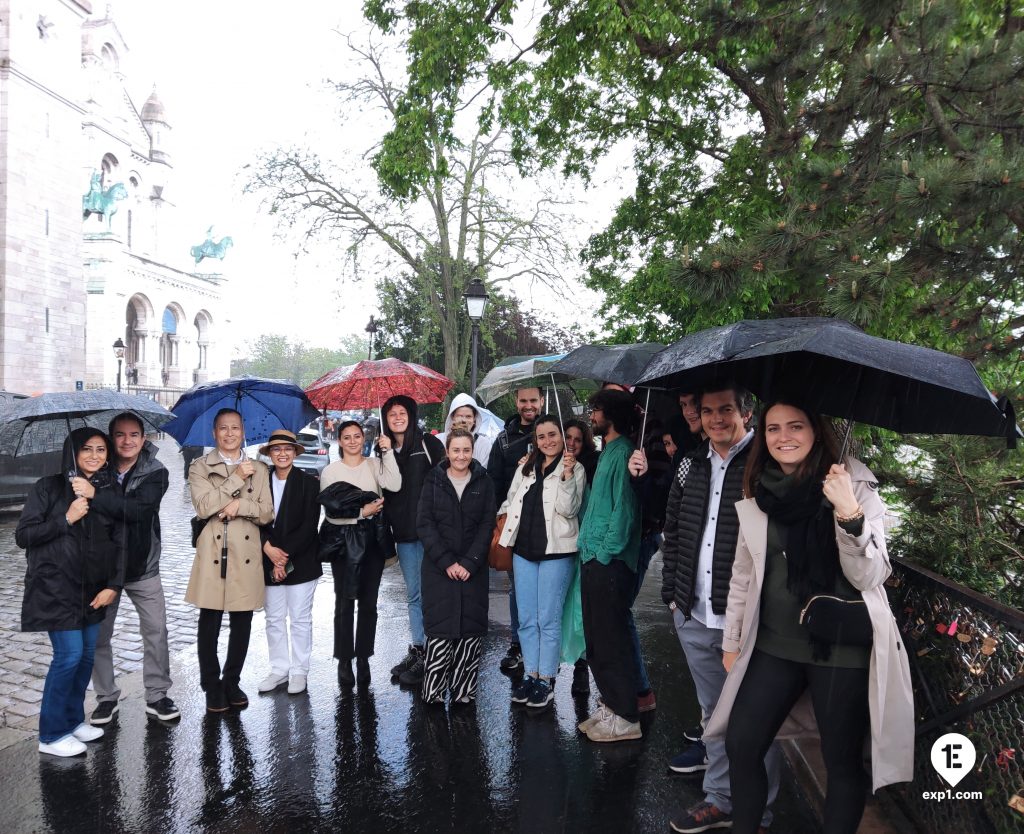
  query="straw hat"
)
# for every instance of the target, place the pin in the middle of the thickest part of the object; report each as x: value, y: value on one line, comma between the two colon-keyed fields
x: 282, y: 437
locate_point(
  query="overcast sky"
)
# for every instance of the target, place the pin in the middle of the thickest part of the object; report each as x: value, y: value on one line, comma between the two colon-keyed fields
x: 237, y: 77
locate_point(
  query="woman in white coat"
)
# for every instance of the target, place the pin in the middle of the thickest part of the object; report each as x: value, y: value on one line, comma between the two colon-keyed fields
x: 792, y: 547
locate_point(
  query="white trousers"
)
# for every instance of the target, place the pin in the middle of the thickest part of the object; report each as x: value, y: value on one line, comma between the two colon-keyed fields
x: 290, y: 605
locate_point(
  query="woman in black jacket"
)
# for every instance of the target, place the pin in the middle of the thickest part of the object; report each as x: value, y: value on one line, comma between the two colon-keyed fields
x: 456, y: 516
x: 291, y: 564
x: 75, y: 569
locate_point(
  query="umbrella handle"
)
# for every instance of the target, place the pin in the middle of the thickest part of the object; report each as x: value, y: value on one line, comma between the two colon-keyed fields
x: 643, y: 427
x: 846, y: 441
x: 558, y: 405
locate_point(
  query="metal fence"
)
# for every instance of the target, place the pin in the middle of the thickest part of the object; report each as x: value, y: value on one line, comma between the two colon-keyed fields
x: 967, y: 662
x: 166, y: 396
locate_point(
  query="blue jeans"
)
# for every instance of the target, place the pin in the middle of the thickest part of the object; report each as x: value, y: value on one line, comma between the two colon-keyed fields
x: 540, y: 594
x: 410, y: 560
x: 63, y: 706
x: 649, y: 545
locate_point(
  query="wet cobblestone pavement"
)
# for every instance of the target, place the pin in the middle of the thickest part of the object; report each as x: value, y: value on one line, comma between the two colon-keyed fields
x: 375, y: 760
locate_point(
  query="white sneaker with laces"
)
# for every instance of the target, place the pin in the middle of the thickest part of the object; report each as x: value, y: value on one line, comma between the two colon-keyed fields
x: 614, y: 728
x: 87, y: 732
x: 600, y: 714
x: 63, y: 747
x: 296, y: 684
x: 272, y: 682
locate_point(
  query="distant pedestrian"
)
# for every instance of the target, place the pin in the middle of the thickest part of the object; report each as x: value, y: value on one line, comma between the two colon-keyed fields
x: 609, y: 547
x: 291, y: 565
x: 415, y: 453
x: 75, y: 570
x: 541, y: 527
x: 358, y: 572
x: 232, y: 495
x: 456, y: 517
x: 138, y: 484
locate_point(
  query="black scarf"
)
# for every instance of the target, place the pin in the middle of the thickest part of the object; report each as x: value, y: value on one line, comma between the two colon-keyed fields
x: 805, y: 523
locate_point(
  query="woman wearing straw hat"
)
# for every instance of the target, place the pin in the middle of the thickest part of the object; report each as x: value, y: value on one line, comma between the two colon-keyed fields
x: 291, y: 566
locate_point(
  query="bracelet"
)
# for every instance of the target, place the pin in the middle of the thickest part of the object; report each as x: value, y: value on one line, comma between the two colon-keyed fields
x: 858, y: 513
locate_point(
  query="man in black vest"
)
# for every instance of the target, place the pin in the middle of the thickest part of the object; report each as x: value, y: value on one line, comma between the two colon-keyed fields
x: 699, y: 547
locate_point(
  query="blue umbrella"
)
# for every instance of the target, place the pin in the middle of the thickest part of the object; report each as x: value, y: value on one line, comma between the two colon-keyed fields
x: 265, y: 405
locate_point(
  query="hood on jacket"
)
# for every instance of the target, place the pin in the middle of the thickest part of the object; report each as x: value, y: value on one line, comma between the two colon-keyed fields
x: 412, y: 433
x: 69, y: 457
x: 488, y: 424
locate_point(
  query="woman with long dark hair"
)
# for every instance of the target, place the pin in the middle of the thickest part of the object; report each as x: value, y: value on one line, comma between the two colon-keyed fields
x: 579, y: 441
x: 75, y: 570
x: 811, y: 561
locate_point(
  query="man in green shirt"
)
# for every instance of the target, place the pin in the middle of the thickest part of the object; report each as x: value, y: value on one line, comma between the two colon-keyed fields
x: 609, y: 546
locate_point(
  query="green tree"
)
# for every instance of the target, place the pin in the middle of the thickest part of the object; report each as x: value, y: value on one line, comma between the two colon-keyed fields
x: 276, y: 357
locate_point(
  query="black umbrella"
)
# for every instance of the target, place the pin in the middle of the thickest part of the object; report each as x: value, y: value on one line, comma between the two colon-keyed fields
x: 621, y: 364
x: 41, y: 424
x: 836, y: 368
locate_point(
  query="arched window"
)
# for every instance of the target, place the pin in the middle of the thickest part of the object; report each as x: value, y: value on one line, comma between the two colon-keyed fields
x: 109, y: 57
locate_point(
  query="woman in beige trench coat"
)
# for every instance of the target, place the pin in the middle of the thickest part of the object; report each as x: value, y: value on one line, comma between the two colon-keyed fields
x: 233, y: 494
x: 787, y: 688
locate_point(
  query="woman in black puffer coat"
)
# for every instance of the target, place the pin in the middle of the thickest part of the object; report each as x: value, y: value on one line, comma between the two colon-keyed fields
x: 455, y: 520
x: 75, y: 569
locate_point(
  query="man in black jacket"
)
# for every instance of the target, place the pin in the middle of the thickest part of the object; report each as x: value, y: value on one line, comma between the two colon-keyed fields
x: 701, y: 528
x: 135, y: 500
x: 509, y: 447
x: 416, y: 454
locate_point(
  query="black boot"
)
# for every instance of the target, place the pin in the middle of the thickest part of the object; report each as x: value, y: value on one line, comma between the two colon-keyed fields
x: 405, y: 662
x: 236, y: 697
x: 362, y: 671
x: 345, y: 676
x: 413, y: 676
x: 580, y: 678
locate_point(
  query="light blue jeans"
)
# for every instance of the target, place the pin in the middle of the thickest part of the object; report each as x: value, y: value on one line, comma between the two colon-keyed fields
x: 63, y: 706
x: 410, y: 560
x: 540, y: 594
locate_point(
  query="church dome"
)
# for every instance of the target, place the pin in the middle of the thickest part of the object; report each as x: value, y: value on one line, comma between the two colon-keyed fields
x: 153, y: 109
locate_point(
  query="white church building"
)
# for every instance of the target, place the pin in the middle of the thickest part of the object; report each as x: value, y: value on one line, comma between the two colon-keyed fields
x: 93, y: 251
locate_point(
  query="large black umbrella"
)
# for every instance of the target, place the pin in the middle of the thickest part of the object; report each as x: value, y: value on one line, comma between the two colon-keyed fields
x: 621, y: 364
x: 836, y: 368
x: 41, y: 424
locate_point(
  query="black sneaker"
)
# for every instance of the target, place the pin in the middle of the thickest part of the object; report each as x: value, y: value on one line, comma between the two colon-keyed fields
x: 522, y: 690
x: 104, y: 712
x: 543, y: 694
x: 164, y: 709
x: 216, y: 700
x: 236, y: 697
x: 512, y: 662
x: 695, y: 733
x: 701, y: 817
x: 405, y: 662
x: 580, y: 678
x: 413, y: 676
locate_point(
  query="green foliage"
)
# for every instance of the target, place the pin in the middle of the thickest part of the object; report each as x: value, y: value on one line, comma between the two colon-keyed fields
x: 275, y: 357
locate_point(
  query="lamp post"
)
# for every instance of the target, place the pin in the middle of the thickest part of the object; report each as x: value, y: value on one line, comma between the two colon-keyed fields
x: 119, y: 353
x: 476, y: 303
x: 371, y: 329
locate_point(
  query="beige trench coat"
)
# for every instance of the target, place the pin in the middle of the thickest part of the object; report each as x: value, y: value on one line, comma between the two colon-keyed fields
x: 865, y: 563
x: 212, y: 487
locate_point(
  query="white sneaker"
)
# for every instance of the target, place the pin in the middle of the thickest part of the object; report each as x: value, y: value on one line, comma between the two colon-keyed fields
x: 297, y: 684
x: 600, y: 714
x: 87, y: 732
x: 64, y: 747
x: 272, y: 682
x: 614, y: 728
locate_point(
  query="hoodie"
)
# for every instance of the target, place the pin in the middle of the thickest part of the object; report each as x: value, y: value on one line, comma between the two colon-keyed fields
x: 485, y: 429
x: 418, y: 455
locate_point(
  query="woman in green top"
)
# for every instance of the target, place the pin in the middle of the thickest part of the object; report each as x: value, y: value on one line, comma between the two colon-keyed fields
x: 810, y: 526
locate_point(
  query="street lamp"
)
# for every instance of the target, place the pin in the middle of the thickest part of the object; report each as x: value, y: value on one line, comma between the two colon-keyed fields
x: 371, y: 328
x: 476, y: 303
x: 119, y: 353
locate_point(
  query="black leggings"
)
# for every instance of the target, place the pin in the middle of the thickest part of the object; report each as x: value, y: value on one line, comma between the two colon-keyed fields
x: 770, y: 688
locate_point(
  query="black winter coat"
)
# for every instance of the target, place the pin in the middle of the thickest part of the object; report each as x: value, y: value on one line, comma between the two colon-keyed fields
x: 294, y: 529
x: 419, y: 454
x: 508, y: 448
x: 67, y: 564
x: 685, y: 519
x: 455, y: 531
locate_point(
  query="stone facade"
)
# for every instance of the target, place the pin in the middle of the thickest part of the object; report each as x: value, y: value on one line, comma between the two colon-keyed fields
x: 72, y: 286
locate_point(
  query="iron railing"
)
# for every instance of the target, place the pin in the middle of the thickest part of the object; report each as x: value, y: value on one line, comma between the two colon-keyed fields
x: 967, y: 662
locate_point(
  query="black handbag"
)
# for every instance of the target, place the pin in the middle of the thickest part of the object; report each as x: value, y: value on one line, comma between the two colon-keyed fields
x: 837, y: 621
x: 198, y: 525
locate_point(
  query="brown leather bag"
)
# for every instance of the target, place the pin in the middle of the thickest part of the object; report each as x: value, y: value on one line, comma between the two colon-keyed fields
x: 500, y: 556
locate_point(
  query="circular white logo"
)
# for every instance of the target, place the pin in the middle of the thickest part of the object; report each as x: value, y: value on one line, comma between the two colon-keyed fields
x: 953, y: 757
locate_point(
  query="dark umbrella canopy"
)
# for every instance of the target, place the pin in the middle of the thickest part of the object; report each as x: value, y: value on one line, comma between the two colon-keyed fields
x: 621, y: 364
x: 41, y: 424
x: 265, y: 405
x: 836, y: 368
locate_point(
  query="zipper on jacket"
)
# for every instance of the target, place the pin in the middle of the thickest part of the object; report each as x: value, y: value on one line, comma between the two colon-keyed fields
x: 803, y: 613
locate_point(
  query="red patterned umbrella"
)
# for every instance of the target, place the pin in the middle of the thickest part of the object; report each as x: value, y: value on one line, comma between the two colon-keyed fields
x: 370, y: 383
